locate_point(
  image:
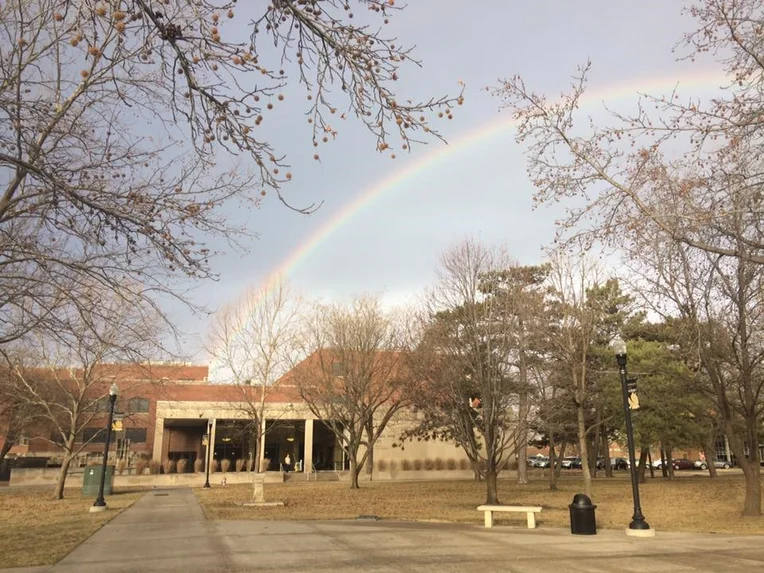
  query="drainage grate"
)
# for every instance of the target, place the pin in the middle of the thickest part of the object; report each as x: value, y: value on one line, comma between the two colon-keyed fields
x: 161, y: 494
x: 368, y: 517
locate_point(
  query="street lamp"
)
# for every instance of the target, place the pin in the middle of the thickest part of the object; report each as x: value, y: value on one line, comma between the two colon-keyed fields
x: 100, y: 503
x: 207, y: 455
x: 638, y: 525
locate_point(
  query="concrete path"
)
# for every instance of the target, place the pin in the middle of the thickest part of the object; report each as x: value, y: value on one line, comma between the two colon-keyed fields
x: 165, y: 531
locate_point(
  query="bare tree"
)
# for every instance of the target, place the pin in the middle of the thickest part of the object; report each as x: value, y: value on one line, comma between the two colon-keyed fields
x: 117, y: 117
x: 64, y: 376
x: 571, y: 338
x: 473, y: 361
x: 714, y: 306
x: 16, y: 417
x: 668, y: 169
x: 355, y: 378
x: 253, y: 342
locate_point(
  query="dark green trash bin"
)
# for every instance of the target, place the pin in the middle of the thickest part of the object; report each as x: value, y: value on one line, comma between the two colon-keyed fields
x: 92, y: 480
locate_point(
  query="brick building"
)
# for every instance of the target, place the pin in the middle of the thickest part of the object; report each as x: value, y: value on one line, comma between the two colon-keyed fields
x: 166, y: 411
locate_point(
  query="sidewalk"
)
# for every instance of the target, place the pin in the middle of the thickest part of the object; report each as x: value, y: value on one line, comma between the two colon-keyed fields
x: 165, y: 531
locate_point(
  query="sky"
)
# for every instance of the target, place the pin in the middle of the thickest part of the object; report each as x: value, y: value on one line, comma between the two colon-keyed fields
x: 384, y: 223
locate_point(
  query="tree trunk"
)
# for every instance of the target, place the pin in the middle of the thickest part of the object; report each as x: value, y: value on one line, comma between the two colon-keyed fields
x: 670, y: 463
x: 353, y: 473
x: 709, y: 451
x: 558, y: 468
x: 643, y: 462
x: 61, y: 481
x: 752, y: 473
x: 522, y: 451
x: 750, y: 465
x: 650, y: 463
x: 522, y: 465
x: 491, y: 494
x: 606, y: 454
x: 583, y: 445
x: 7, y: 445
x: 370, y: 451
x: 259, y: 438
x: 664, y: 472
x: 552, y: 464
x: 595, y: 446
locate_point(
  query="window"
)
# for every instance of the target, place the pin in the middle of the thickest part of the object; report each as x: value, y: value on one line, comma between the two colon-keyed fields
x: 102, y: 404
x: 94, y: 435
x: 138, y: 405
x: 135, y: 435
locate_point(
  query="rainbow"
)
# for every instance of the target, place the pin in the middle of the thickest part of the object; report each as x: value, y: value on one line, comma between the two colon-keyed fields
x: 609, y: 93
x: 431, y: 159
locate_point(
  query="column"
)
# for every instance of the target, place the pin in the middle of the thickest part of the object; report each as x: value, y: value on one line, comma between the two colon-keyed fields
x: 212, y: 441
x: 307, y: 462
x: 156, y: 454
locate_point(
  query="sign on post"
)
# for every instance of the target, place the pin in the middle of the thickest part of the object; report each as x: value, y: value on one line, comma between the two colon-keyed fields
x: 631, y: 388
x: 116, y: 423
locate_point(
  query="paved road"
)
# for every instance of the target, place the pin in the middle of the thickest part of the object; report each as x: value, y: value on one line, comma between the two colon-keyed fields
x: 166, y: 532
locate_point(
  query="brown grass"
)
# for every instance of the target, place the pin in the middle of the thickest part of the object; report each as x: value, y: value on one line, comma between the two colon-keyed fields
x: 693, y: 504
x: 37, y: 530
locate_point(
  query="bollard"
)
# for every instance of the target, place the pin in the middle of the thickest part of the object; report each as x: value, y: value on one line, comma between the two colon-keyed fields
x: 582, y: 519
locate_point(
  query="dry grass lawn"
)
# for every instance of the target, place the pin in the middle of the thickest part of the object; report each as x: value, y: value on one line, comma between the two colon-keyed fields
x: 37, y: 530
x: 688, y: 503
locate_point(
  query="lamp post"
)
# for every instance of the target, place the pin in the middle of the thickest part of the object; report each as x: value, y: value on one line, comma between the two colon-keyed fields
x: 207, y: 456
x: 638, y: 523
x: 100, y: 503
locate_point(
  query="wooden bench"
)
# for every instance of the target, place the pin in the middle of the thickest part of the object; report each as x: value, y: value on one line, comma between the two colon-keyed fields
x: 530, y: 512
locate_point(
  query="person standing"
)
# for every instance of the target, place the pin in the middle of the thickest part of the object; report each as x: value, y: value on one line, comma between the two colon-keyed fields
x: 287, y: 463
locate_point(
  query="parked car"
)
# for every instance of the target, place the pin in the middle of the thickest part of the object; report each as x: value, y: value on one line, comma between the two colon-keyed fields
x: 619, y: 463
x: 722, y: 464
x: 683, y: 464
x: 538, y: 461
x: 700, y: 465
x: 567, y: 462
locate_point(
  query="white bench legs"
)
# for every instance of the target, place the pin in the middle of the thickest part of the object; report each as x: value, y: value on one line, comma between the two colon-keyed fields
x: 530, y: 512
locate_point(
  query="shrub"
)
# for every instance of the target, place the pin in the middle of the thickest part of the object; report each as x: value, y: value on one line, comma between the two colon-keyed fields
x: 429, y: 465
x: 225, y: 463
x: 440, y: 464
x: 95, y: 461
x: 405, y: 465
x: 451, y: 464
x: 266, y: 464
x: 417, y: 465
x: 464, y: 464
x: 140, y: 465
x: 182, y: 465
x: 169, y: 466
x: 250, y: 464
x: 154, y: 467
x: 121, y: 466
x: 198, y: 465
x: 382, y: 465
x: 213, y: 465
x: 239, y: 464
x: 393, y: 466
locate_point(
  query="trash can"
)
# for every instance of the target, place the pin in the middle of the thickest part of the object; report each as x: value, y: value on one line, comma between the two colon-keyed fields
x: 92, y: 480
x: 582, y: 520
